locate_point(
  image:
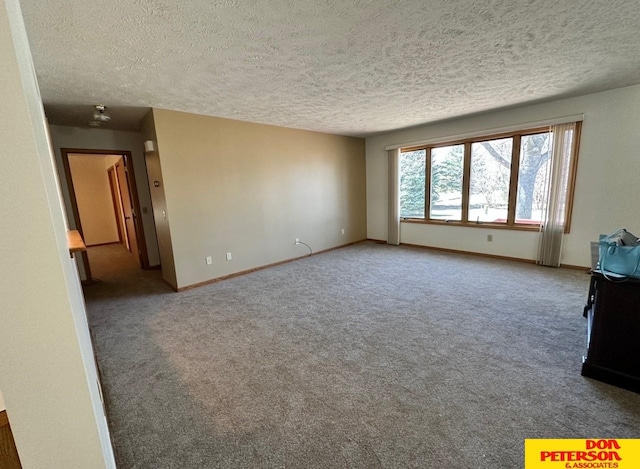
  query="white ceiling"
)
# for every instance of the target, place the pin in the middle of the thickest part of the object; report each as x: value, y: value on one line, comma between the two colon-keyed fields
x: 354, y: 67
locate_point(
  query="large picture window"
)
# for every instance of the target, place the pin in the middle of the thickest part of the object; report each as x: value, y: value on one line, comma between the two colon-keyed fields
x: 500, y: 180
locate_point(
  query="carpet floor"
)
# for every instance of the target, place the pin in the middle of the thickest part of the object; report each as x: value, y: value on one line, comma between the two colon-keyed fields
x: 370, y: 356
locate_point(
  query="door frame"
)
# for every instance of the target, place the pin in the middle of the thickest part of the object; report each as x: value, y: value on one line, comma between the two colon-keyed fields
x: 115, y: 197
x: 133, y: 189
x: 123, y: 182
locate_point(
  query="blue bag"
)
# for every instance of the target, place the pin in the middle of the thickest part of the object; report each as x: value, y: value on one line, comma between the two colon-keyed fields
x: 619, y: 253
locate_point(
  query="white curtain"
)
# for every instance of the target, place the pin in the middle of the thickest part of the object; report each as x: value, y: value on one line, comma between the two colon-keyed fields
x: 393, y: 236
x: 554, y: 216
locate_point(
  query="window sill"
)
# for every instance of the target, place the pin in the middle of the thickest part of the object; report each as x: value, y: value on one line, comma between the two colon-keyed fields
x: 499, y: 226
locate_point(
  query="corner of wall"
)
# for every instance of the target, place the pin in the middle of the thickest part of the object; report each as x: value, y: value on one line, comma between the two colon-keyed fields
x: 158, y: 200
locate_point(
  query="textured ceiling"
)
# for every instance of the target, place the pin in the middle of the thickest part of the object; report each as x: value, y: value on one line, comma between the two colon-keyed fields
x: 354, y: 67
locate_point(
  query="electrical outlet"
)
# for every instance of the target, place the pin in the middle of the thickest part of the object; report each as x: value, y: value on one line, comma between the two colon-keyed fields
x: 342, y: 230
x: 297, y: 241
x: 489, y: 238
x: 209, y: 260
x: 229, y: 256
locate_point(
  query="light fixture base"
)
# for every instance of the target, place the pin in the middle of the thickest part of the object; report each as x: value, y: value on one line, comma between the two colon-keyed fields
x: 100, y: 114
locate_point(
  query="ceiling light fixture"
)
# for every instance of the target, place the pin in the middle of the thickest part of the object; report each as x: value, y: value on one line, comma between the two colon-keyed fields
x: 100, y: 114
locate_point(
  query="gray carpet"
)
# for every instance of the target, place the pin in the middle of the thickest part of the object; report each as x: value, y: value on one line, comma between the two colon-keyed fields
x: 364, y: 357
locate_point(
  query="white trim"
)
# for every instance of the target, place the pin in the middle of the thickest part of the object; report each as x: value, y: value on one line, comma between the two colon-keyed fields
x: 497, y: 130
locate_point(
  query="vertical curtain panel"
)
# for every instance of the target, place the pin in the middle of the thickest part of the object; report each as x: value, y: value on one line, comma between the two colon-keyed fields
x: 393, y: 231
x: 554, y: 216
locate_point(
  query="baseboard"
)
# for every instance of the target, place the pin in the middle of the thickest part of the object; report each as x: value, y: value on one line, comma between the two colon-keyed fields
x: 262, y: 267
x: 482, y: 254
x: 478, y: 254
x: 238, y: 274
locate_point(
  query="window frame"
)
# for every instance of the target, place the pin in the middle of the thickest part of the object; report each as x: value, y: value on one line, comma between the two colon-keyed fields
x: 510, y: 223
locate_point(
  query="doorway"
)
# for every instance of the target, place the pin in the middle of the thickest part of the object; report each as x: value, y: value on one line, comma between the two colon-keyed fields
x: 104, y: 201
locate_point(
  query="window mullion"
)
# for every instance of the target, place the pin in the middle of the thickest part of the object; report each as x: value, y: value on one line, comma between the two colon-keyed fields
x: 513, y: 180
x: 427, y: 185
x: 466, y: 181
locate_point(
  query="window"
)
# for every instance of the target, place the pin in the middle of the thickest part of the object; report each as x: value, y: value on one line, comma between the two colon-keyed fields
x: 412, y: 183
x: 497, y: 179
x: 532, y: 177
x: 446, y: 183
x: 489, y: 180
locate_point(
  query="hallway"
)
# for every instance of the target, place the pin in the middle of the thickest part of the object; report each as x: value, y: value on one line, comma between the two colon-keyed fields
x: 118, y: 274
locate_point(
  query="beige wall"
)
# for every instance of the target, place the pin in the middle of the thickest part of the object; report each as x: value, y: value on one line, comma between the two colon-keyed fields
x: 2, y: 407
x: 93, y: 195
x: 252, y: 189
x: 47, y: 370
x: 160, y: 216
x: 606, y: 190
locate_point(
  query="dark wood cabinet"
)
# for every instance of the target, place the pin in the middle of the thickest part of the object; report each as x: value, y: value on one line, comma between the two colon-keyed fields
x: 613, y: 332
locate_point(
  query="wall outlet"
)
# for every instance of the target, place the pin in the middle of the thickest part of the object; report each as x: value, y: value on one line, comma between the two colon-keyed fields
x: 342, y: 230
x: 208, y: 260
x: 490, y: 238
x: 297, y: 241
x: 229, y: 256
